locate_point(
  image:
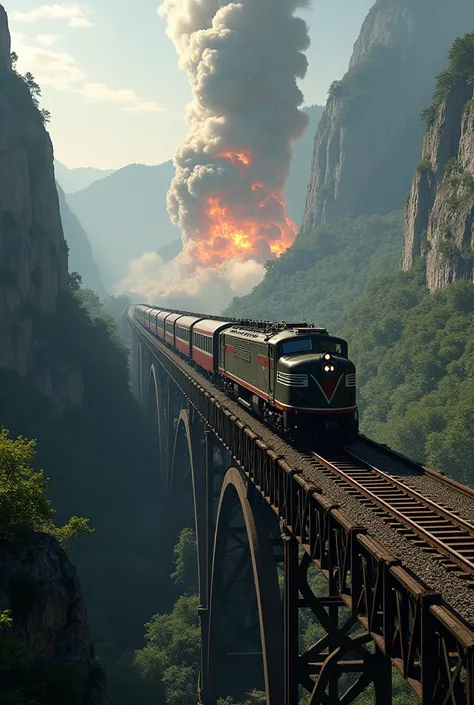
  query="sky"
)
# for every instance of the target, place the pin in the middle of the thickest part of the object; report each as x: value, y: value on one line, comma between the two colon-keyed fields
x: 109, y: 73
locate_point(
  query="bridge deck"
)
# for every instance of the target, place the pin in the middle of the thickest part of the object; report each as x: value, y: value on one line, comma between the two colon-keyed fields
x: 426, y: 568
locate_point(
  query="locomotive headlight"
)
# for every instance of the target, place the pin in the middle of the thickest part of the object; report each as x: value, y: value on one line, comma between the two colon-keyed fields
x: 326, y: 356
x: 328, y: 368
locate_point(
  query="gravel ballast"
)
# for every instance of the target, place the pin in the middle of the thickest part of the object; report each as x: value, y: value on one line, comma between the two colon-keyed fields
x: 421, y: 565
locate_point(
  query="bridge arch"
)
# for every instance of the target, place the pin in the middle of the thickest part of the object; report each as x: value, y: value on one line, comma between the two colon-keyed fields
x: 188, y: 464
x: 154, y: 405
x: 237, y: 515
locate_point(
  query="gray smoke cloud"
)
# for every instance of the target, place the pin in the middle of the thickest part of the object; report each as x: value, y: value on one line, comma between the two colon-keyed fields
x: 243, y: 60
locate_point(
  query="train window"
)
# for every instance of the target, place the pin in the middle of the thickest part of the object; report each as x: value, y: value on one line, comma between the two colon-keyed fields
x: 291, y: 347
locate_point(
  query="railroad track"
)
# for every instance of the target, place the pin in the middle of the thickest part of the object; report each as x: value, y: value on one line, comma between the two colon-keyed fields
x: 431, y: 526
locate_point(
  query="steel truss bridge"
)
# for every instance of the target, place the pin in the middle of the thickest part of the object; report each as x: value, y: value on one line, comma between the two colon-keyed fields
x: 262, y: 530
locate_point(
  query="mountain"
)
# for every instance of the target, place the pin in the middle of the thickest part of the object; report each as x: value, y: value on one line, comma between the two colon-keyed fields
x: 439, y: 219
x: 72, y: 180
x: 172, y: 250
x: 45, y: 635
x: 370, y: 132
x: 81, y: 259
x: 33, y: 252
x: 125, y: 216
x: 300, y: 169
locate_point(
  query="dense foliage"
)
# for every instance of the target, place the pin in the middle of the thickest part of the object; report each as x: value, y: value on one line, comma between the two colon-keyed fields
x: 24, y: 505
x: 23, y: 500
x: 317, y: 278
x: 459, y: 71
x: 415, y: 359
x: 413, y: 350
x: 24, y: 92
x: 102, y: 464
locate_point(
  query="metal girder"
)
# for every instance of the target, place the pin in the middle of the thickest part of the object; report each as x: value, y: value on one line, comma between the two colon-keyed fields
x: 409, y: 626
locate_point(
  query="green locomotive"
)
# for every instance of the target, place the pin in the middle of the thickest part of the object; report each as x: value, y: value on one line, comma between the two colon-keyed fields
x: 296, y: 377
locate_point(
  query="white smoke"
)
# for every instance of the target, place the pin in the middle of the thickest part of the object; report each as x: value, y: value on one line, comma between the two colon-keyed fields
x: 243, y: 60
x: 173, y: 285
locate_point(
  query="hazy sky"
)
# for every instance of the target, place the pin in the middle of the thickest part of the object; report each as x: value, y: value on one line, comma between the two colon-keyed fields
x: 109, y: 73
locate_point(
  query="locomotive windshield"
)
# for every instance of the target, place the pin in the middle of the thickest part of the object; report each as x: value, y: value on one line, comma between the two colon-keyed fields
x: 290, y: 347
x: 323, y: 345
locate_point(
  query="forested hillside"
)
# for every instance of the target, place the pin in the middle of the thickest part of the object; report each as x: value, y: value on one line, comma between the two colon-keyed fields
x: 324, y: 271
x: 413, y: 349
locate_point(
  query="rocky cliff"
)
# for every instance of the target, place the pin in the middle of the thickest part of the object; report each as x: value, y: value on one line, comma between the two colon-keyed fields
x: 40, y: 588
x: 81, y: 257
x: 364, y: 148
x: 33, y: 252
x: 439, y: 217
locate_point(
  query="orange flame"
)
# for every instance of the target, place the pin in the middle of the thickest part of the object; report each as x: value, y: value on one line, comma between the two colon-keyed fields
x: 257, y: 228
x: 229, y: 236
x: 237, y: 158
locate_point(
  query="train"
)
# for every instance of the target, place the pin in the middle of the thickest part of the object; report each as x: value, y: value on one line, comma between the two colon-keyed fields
x: 295, y: 377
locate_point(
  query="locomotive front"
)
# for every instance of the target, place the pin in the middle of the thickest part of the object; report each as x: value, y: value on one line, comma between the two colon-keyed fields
x: 315, y: 387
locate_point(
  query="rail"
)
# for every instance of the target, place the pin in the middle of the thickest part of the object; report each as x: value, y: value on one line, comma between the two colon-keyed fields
x: 408, y: 622
x: 453, y: 537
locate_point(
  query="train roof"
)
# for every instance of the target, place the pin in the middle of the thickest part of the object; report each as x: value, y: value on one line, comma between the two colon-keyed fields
x: 163, y: 314
x: 275, y: 336
x: 172, y: 317
x: 188, y: 321
x: 209, y: 327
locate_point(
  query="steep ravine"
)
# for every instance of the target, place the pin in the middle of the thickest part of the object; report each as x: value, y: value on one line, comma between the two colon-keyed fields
x: 33, y: 252
x: 38, y: 583
x: 439, y: 218
x: 364, y: 148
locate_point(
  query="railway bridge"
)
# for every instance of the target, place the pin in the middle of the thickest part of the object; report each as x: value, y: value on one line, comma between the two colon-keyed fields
x: 374, y: 551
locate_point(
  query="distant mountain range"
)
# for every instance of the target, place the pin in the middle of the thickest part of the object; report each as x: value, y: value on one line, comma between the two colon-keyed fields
x: 124, y: 212
x: 125, y: 216
x: 73, y: 180
x: 81, y: 258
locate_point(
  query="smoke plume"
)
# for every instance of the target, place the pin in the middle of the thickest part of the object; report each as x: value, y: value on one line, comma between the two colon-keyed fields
x: 243, y: 60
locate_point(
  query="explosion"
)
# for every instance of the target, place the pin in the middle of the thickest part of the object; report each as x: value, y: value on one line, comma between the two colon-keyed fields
x: 243, y: 60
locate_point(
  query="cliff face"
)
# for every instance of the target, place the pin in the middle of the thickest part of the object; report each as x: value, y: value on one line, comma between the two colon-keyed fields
x: 40, y: 587
x: 81, y: 258
x: 33, y: 252
x: 364, y: 148
x: 439, y: 218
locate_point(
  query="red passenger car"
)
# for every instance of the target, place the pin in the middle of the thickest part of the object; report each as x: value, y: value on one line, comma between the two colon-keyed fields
x: 205, y: 343
x: 183, y: 331
x: 160, y: 324
x: 169, y: 327
x: 153, y: 324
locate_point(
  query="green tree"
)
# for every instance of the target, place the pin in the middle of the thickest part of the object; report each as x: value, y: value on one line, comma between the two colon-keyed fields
x: 185, y: 573
x: 23, y: 500
x: 171, y: 655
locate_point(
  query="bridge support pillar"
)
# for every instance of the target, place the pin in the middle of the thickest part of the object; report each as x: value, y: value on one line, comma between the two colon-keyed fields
x: 290, y: 596
x: 205, y: 695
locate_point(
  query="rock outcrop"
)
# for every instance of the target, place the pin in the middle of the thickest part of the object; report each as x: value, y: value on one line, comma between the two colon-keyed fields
x: 365, y: 143
x: 439, y: 217
x: 81, y: 257
x: 40, y: 587
x: 33, y: 252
